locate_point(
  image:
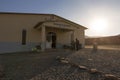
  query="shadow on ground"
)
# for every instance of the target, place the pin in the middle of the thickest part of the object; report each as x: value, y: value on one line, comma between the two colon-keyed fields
x: 25, y: 65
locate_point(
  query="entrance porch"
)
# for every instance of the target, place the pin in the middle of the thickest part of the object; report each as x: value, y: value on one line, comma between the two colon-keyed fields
x: 54, y: 35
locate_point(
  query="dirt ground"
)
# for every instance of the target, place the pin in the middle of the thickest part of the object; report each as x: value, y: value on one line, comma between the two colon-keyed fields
x: 25, y: 65
x: 110, y: 47
x: 104, y: 60
x: 43, y: 65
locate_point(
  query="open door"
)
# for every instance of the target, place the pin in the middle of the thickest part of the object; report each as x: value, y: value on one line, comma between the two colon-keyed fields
x: 51, y: 40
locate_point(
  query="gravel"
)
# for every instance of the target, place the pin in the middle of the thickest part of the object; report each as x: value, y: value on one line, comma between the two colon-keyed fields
x: 107, y: 61
x: 25, y: 65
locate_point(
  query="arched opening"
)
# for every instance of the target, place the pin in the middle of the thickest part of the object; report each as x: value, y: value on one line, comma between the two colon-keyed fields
x: 51, y: 40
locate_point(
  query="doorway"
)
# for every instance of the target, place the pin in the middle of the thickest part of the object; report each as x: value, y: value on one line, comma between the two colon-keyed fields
x: 51, y: 39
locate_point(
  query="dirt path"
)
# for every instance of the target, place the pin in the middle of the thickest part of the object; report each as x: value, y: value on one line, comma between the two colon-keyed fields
x: 23, y: 66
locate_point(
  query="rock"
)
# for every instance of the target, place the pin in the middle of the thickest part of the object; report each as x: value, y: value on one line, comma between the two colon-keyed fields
x: 95, y: 71
x: 64, y: 61
x: 83, y: 67
x: 62, y: 58
x: 110, y: 77
x: 90, y: 59
x: 58, y: 58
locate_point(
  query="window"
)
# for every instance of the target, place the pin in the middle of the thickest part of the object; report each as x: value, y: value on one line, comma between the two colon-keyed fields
x: 24, y: 36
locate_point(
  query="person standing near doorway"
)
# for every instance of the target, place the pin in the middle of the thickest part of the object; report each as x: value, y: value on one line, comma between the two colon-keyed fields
x: 77, y: 44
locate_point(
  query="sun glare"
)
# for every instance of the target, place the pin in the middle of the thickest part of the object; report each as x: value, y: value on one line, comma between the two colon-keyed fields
x: 99, y: 26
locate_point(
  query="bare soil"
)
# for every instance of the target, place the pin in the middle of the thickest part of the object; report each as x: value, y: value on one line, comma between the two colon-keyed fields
x: 44, y: 66
x: 25, y: 65
x: 104, y: 60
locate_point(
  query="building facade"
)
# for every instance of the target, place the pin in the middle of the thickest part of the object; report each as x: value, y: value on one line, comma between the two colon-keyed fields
x: 23, y: 31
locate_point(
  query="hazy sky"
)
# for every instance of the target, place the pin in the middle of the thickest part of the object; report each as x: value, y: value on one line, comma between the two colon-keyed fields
x: 83, y: 12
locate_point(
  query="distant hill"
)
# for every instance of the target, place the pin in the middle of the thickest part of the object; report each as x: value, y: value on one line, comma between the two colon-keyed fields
x: 111, y: 40
x: 118, y: 35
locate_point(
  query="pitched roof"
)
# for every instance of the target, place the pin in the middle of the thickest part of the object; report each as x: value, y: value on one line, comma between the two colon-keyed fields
x: 66, y: 20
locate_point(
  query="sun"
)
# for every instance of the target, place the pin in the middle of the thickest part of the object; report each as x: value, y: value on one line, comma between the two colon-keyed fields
x: 99, y: 25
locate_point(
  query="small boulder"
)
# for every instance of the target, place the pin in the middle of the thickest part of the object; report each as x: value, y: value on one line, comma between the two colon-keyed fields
x: 83, y: 67
x: 110, y: 77
x: 62, y: 58
x: 58, y: 58
x: 90, y: 59
x: 64, y: 61
x: 95, y: 71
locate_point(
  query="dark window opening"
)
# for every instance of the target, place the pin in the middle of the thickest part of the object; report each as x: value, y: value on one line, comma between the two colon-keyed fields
x: 24, y: 37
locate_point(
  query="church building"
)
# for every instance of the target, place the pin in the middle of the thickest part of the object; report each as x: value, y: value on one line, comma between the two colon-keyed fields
x: 23, y: 31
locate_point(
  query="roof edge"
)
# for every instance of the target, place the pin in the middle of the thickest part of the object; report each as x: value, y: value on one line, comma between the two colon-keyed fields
x: 25, y: 13
x: 22, y: 13
x: 70, y: 21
